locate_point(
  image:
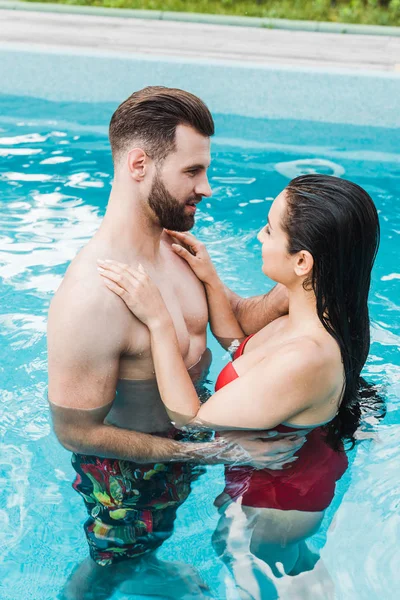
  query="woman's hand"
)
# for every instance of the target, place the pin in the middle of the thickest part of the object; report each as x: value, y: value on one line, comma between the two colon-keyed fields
x: 136, y: 289
x: 196, y: 255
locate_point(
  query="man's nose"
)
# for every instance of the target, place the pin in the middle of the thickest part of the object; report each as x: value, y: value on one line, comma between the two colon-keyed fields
x: 204, y: 189
x: 260, y: 236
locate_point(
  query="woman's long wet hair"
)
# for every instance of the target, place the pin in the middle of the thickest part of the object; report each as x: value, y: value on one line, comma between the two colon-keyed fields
x: 337, y: 222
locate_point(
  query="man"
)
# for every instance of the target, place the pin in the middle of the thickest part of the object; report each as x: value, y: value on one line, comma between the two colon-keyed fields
x: 102, y: 392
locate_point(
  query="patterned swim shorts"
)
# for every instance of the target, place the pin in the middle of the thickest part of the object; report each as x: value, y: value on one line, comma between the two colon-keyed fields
x: 131, y: 507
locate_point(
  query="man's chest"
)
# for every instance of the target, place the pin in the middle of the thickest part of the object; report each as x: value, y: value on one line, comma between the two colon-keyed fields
x: 186, y: 302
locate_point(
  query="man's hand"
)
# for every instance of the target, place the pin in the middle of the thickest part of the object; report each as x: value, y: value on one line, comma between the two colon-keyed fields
x: 264, y: 449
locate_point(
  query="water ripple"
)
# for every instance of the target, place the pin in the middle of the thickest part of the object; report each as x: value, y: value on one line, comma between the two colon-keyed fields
x: 15, y: 464
x: 29, y: 138
x: 305, y: 166
x: 55, y: 183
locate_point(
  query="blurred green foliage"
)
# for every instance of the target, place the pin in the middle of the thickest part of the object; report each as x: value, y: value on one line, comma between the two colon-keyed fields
x: 373, y: 12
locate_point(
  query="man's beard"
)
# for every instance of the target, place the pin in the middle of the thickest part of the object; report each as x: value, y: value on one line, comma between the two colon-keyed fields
x: 170, y: 212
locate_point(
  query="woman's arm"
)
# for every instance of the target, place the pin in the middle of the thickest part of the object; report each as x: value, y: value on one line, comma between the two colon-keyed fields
x: 256, y: 312
x: 251, y: 314
x: 223, y: 322
x: 174, y: 383
x: 273, y: 391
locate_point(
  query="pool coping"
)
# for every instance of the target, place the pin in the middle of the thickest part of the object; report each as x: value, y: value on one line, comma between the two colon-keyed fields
x: 250, y: 72
x: 238, y: 21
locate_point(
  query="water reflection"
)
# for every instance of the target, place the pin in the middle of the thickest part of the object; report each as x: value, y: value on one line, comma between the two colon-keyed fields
x: 306, y: 166
x: 54, y: 186
x: 267, y: 516
x: 15, y: 466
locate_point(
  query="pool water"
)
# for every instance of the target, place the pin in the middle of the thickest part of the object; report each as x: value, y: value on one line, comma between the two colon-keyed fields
x: 55, y: 179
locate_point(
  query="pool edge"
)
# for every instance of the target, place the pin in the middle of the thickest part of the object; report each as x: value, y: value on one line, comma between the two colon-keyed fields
x: 210, y: 19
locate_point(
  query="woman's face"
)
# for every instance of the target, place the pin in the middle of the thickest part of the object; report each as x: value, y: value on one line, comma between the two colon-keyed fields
x: 277, y: 262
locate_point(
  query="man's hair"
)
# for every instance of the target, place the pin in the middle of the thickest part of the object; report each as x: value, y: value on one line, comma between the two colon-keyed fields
x: 150, y: 117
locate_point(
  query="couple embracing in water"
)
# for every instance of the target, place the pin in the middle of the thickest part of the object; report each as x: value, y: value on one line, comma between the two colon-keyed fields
x: 128, y: 357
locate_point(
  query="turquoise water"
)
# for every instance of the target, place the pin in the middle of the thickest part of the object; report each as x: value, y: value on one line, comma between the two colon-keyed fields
x: 54, y: 183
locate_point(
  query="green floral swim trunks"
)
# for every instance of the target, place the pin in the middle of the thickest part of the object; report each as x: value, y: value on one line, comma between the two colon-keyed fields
x: 131, y: 507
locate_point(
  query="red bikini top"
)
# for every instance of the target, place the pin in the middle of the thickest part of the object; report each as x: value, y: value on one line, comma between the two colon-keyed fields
x: 228, y: 373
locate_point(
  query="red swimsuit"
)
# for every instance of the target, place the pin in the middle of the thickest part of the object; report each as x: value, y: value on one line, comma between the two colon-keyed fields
x: 307, y: 485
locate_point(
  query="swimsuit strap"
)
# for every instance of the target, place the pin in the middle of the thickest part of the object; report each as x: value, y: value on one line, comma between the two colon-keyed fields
x: 242, y: 346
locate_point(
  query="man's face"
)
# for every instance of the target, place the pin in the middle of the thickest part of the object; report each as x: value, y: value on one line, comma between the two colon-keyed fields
x: 181, y: 182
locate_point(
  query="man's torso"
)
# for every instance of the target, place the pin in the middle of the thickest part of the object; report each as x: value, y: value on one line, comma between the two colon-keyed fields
x: 137, y: 404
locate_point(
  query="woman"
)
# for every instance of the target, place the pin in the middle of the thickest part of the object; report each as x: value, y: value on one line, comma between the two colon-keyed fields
x: 302, y: 371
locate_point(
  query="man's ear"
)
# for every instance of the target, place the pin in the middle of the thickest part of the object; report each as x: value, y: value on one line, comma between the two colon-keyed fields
x: 137, y: 163
x: 304, y: 263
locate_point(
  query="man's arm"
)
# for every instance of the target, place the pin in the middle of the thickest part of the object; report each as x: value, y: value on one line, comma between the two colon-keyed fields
x: 256, y: 312
x: 84, y: 432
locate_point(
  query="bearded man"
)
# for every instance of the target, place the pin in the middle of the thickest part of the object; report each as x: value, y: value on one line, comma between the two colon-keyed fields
x: 133, y: 468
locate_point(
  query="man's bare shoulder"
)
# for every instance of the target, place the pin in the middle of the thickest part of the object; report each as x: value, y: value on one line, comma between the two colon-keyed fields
x: 83, y: 309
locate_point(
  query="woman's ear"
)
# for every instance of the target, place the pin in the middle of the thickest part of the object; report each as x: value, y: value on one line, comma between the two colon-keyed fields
x: 304, y: 263
x: 137, y: 162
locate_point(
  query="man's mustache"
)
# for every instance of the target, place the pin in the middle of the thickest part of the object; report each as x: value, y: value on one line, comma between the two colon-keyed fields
x: 195, y: 199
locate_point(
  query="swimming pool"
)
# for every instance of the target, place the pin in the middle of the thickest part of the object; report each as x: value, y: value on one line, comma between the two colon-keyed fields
x: 55, y: 179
